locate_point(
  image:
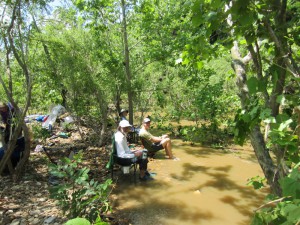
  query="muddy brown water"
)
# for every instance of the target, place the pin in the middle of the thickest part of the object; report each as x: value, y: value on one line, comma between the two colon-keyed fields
x: 207, y: 186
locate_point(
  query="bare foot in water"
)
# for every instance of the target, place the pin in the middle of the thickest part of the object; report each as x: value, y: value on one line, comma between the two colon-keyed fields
x: 173, y: 158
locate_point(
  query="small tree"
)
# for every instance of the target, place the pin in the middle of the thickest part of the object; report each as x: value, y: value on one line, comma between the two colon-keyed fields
x: 14, y: 44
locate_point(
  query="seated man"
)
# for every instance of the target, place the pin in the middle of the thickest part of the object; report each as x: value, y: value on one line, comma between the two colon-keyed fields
x: 132, y: 134
x: 123, y: 150
x: 156, y: 143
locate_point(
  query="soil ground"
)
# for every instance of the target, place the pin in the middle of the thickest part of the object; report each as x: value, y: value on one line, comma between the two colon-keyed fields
x: 27, y: 201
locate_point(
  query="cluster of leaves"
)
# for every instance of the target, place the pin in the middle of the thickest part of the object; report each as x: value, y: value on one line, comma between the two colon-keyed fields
x: 76, y: 194
x: 287, y: 209
x: 257, y: 182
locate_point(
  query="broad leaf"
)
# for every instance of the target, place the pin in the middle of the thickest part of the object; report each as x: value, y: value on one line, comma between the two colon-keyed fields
x: 78, y: 221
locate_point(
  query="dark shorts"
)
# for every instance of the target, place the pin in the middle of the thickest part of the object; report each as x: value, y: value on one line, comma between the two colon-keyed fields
x: 157, y: 146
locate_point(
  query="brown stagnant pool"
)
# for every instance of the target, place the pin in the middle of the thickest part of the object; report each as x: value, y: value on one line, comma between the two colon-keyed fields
x: 207, y: 186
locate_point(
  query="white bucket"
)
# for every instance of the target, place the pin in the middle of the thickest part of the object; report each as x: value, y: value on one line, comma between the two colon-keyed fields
x: 125, y: 169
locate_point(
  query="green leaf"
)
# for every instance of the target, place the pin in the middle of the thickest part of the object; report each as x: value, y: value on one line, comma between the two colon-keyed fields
x: 290, y: 187
x: 292, y: 148
x: 262, y: 85
x: 211, y: 16
x: 200, y: 65
x: 265, y: 114
x: 295, y: 173
x: 197, y: 20
x: 246, y: 118
x: 216, y: 4
x: 285, y: 124
x: 78, y: 221
x: 252, y: 84
x: 292, y: 212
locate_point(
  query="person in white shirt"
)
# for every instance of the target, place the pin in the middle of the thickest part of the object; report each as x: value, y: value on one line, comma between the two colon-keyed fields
x: 123, y: 150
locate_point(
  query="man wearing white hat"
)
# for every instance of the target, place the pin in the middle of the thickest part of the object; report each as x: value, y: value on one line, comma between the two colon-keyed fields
x: 123, y: 150
x: 156, y: 143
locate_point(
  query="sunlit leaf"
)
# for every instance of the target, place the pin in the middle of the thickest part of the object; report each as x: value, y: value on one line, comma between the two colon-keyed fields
x: 285, y: 124
x: 78, y: 221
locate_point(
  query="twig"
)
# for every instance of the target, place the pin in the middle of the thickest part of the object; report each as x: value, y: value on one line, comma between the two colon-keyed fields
x: 271, y: 202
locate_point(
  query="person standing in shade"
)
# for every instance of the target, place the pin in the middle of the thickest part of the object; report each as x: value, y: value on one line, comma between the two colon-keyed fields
x: 123, y: 114
x: 7, y: 114
x: 156, y: 143
x: 123, y: 150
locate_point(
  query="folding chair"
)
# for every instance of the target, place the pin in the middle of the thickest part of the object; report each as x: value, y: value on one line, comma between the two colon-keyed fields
x: 148, y: 146
x: 124, y: 162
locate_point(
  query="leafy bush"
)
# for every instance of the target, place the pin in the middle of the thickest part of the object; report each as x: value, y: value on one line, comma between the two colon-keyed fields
x: 287, y: 209
x: 206, y: 134
x: 76, y: 194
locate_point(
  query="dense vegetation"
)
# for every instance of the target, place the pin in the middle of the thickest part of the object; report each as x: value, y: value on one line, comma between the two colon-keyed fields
x: 230, y: 66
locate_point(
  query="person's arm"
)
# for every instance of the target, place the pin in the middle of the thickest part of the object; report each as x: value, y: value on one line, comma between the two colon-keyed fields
x: 155, y: 139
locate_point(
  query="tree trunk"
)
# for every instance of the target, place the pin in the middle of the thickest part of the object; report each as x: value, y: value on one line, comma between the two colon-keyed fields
x: 127, y: 64
x: 264, y: 159
x: 103, y: 109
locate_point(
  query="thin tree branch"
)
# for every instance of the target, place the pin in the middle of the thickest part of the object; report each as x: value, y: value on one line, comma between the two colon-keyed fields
x: 285, y: 56
x: 271, y: 202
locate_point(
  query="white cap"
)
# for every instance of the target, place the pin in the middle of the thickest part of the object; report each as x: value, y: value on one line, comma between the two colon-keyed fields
x: 146, y: 120
x: 124, y: 123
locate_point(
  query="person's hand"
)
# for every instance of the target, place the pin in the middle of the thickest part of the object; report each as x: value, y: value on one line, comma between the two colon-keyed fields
x: 138, y: 153
x: 164, y: 136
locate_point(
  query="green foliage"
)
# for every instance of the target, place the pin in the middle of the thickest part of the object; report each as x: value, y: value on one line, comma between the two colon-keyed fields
x: 78, y: 221
x: 291, y: 184
x: 76, y: 194
x: 83, y: 221
x: 257, y: 182
x: 287, y: 208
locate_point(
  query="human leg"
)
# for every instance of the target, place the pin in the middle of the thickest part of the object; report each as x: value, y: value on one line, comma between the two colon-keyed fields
x: 143, y: 164
x: 166, y: 143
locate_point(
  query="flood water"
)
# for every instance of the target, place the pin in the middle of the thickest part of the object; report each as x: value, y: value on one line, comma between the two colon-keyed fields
x: 206, y: 187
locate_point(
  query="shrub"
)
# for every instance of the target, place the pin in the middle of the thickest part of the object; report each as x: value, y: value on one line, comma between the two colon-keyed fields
x: 76, y: 194
x: 284, y: 210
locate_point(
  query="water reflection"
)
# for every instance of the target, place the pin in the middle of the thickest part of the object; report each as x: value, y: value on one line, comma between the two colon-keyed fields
x: 207, y: 186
